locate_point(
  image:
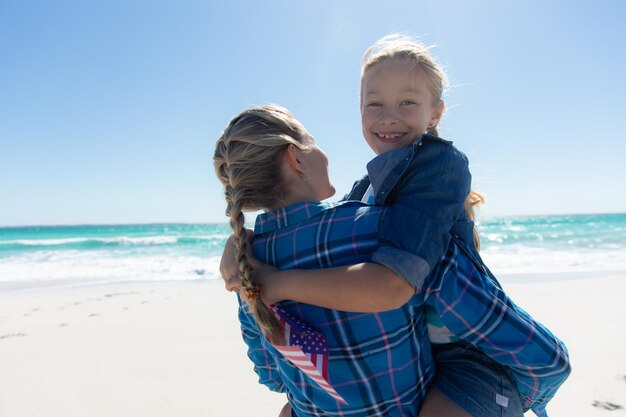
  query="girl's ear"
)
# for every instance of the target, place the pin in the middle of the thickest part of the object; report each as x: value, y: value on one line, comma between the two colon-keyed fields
x: 436, y: 114
x: 292, y: 159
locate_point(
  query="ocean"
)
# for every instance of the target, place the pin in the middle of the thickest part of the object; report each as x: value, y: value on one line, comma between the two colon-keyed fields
x: 75, y: 255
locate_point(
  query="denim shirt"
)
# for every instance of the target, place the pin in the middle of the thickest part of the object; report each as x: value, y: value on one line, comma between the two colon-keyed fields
x: 427, y: 183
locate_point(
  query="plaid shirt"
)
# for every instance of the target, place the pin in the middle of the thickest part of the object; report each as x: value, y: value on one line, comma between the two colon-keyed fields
x: 471, y: 304
x: 381, y: 364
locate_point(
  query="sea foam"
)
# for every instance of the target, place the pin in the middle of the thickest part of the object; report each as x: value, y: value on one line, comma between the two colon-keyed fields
x: 520, y: 245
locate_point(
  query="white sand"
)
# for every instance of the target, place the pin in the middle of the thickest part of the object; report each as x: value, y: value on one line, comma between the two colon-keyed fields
x: 174, y: 349
x: 152, y: 349
x: 589, y: 315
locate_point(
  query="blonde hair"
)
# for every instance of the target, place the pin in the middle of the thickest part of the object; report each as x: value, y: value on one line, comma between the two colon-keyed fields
x: 473, y: 200
x: 247, y: 162
x: 399, y: 46
x: 404, y: 47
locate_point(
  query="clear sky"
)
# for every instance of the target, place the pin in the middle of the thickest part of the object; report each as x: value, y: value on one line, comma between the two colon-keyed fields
x: 109, y: 110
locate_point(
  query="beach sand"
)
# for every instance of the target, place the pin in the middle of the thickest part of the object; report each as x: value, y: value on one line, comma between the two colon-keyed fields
x: 174, y: 349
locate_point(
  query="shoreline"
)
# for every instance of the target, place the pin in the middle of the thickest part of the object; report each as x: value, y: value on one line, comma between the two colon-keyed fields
x: 503, y: 277
x: 173, y: 348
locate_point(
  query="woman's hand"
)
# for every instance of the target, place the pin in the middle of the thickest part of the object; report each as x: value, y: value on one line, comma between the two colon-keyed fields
x: 229, y: 267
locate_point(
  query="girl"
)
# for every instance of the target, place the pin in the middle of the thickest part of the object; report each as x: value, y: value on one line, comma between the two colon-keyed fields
x: 401, y: 89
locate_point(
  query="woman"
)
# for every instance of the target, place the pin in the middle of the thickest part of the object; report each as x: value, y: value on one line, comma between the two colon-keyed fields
x: 380, y: 364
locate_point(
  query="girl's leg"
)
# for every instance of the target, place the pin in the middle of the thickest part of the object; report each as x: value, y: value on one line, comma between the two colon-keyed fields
x: 286, y: 411
x: 438, y: 405
x: 468, y: 383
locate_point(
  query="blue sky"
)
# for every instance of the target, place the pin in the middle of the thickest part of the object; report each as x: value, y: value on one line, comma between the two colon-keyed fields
x: 109, y: 110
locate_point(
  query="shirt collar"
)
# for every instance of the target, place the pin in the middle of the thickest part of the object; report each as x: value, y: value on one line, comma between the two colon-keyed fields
x: 287, y: 216
x: 385, y: 170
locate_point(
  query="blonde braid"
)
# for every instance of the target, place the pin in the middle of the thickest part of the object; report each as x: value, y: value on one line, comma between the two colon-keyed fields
x: 247, y: 162
x: 266, y: 320
x: 473, y: 199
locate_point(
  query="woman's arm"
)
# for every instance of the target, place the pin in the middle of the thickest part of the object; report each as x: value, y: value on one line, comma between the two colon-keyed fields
x: 264, y: 362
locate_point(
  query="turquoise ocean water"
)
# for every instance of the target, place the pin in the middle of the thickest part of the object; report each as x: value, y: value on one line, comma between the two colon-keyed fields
x: 34, y: 256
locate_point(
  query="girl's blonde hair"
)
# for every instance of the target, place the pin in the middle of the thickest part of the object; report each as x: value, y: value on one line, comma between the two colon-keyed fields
x: 403, y: 47
x: 473, y: 200
x: 247, y: 162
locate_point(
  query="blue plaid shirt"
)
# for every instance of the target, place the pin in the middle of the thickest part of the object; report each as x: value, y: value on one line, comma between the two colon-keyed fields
x: 381, y: 363
x: 471, y: 304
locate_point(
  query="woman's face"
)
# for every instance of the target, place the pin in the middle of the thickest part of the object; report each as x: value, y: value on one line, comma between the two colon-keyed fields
x: 315, y: 163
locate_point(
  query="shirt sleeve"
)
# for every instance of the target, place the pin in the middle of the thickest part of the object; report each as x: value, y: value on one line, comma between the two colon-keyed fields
x: 474, y: 308
x: 426, y: 200
x: 264, y: 362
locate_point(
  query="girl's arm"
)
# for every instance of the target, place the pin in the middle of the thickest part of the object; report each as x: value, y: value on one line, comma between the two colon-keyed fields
x: 364, y: 287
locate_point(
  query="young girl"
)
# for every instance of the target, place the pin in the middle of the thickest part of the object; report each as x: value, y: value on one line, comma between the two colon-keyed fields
x: 401, y: 89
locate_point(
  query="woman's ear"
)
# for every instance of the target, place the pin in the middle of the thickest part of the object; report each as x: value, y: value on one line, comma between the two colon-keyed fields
x: 292, y: 159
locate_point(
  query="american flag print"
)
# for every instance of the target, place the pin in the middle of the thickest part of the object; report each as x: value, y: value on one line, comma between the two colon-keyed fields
x: 306, y: 349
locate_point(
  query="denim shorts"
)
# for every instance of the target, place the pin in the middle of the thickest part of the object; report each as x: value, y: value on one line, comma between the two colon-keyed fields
x: 475, y: 382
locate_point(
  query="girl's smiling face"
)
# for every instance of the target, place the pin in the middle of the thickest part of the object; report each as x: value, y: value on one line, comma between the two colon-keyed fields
x: 397, y: 105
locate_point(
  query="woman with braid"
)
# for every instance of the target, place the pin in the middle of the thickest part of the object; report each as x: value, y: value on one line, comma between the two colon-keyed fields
x: 380, y: 363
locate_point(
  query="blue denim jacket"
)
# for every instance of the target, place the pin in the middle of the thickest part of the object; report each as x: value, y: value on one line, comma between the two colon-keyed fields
x: 427, y: 183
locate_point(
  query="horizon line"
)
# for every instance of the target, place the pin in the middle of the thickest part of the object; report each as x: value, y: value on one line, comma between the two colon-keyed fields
x: 155, y: 223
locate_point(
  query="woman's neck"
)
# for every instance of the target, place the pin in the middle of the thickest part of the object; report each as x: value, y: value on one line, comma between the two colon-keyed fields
x: 303, y: 195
